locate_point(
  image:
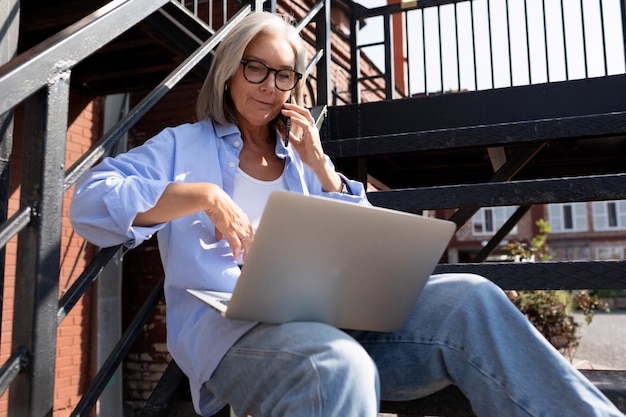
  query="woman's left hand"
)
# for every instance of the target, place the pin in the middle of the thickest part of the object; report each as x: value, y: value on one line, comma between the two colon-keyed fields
x: 306, y: 141
x: 306, y: 138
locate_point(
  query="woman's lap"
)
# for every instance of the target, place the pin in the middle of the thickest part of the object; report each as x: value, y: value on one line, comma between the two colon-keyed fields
x: 463, y: 330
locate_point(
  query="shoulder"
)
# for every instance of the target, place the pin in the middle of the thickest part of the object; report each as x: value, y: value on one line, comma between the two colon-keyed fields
x: 190, y: 131
x: 184, y: 136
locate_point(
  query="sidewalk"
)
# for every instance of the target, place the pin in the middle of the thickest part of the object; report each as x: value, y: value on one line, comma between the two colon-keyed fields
x: 603, y: 342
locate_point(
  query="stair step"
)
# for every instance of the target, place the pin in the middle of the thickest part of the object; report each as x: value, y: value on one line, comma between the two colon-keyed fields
x: 450, y: 402
x: 541, y: 191
x: 171, y: 397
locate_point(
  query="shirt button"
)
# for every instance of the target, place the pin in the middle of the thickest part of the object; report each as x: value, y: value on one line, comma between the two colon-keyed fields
x: 236, y: 143
x: 231, y: 164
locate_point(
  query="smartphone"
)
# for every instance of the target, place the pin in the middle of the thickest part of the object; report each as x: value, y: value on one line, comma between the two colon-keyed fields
x: 287, y: 125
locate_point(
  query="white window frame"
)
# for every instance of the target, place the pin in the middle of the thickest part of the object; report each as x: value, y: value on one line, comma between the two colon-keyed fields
x: 568, y: 217
x: 609, y: 215
x: 492, y: 218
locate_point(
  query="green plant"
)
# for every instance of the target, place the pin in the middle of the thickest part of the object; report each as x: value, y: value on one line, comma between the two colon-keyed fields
x: 550, y: 310
x: 547, y: 311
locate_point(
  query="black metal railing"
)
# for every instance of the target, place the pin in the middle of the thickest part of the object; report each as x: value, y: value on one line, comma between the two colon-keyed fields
x: 30, y: 371
x: 40, y: 79
x: 468, y: 45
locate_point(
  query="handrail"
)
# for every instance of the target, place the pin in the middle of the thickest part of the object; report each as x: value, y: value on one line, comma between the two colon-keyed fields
x: 314, y: 60
x: 14, y: 225
x: 317, y: 8
x: 43, y: 63
x: 118, y: 353
x: 8, y: 372
x: 84, y: 281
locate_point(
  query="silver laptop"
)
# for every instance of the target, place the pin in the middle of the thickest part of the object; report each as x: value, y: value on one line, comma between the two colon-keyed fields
x: 319, y: 259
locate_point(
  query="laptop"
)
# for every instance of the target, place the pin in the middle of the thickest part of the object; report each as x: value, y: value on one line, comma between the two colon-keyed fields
x: 319, y: 259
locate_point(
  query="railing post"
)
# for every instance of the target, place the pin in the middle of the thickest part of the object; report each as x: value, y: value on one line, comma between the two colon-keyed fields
x: 355, y: 68
x: 322, y: 42
x: 9, y: 19
x: 623, y: 9
x: 355, y: 73
x: 38, y: 252
x: 390, y: 82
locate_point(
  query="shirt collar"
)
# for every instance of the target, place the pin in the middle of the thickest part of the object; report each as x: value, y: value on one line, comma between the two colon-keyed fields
x: 221, y: 131
x: 224, y: 131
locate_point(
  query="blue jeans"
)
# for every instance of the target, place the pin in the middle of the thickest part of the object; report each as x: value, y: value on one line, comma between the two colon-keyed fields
x: 463, y: 330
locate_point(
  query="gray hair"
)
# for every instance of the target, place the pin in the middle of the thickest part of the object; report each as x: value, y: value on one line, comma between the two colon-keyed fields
x: 212, y: 102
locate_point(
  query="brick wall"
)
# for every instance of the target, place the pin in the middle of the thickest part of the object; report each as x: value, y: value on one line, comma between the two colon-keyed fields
x: 11, y: 251
x: 73, y: 337
x: 73, y: 347
x: 371, y: 90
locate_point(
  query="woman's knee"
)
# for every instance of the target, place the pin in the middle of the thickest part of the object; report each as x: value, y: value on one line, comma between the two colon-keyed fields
x: 321, y: 349
x: 335, y: 355
x: 331, y: 366
x: 276, y: 366
x: 348, y: 376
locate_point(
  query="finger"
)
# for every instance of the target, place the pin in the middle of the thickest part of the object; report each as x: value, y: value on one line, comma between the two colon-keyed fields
x: 235, y: 244
x: 246, y: 243
x: 301, y: 115
x: 304, y: 129
x: 242, y: 242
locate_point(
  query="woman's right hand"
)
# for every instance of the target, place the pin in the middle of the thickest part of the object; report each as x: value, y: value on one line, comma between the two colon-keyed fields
x: 230, y: 222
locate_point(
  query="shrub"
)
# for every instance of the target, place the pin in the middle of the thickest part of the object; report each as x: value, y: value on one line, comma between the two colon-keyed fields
x: 550, y: 310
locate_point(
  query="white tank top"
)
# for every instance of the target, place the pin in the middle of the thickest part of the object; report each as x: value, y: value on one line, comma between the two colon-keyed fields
x: 251, y: 194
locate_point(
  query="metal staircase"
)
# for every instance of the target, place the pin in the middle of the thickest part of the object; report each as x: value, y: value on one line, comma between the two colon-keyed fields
x: 558, y: 142
x: 41, y: 78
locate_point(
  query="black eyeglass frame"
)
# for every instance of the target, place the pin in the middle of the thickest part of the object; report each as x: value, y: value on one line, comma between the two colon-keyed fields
x: 244, y: 62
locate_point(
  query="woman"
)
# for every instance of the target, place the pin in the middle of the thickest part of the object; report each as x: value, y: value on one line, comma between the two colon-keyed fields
x: 202, y: 186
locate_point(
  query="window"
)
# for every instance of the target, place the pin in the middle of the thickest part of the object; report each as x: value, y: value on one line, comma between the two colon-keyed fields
x: 568, y: 217
x: 488, y: 220
x: 609, y: 215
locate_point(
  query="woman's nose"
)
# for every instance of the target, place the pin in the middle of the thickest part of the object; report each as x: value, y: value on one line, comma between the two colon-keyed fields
x: 270, y: 80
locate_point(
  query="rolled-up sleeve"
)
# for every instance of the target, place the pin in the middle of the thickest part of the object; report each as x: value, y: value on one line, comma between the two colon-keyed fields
x: 103, y: 210
x: 108, y: 198
x: 357, y: 192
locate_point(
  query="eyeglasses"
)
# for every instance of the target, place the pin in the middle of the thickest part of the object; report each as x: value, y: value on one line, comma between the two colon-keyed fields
x: 256, y: 72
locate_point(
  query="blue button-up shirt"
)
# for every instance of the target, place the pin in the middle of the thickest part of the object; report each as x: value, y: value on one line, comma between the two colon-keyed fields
x: 109, y: 196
